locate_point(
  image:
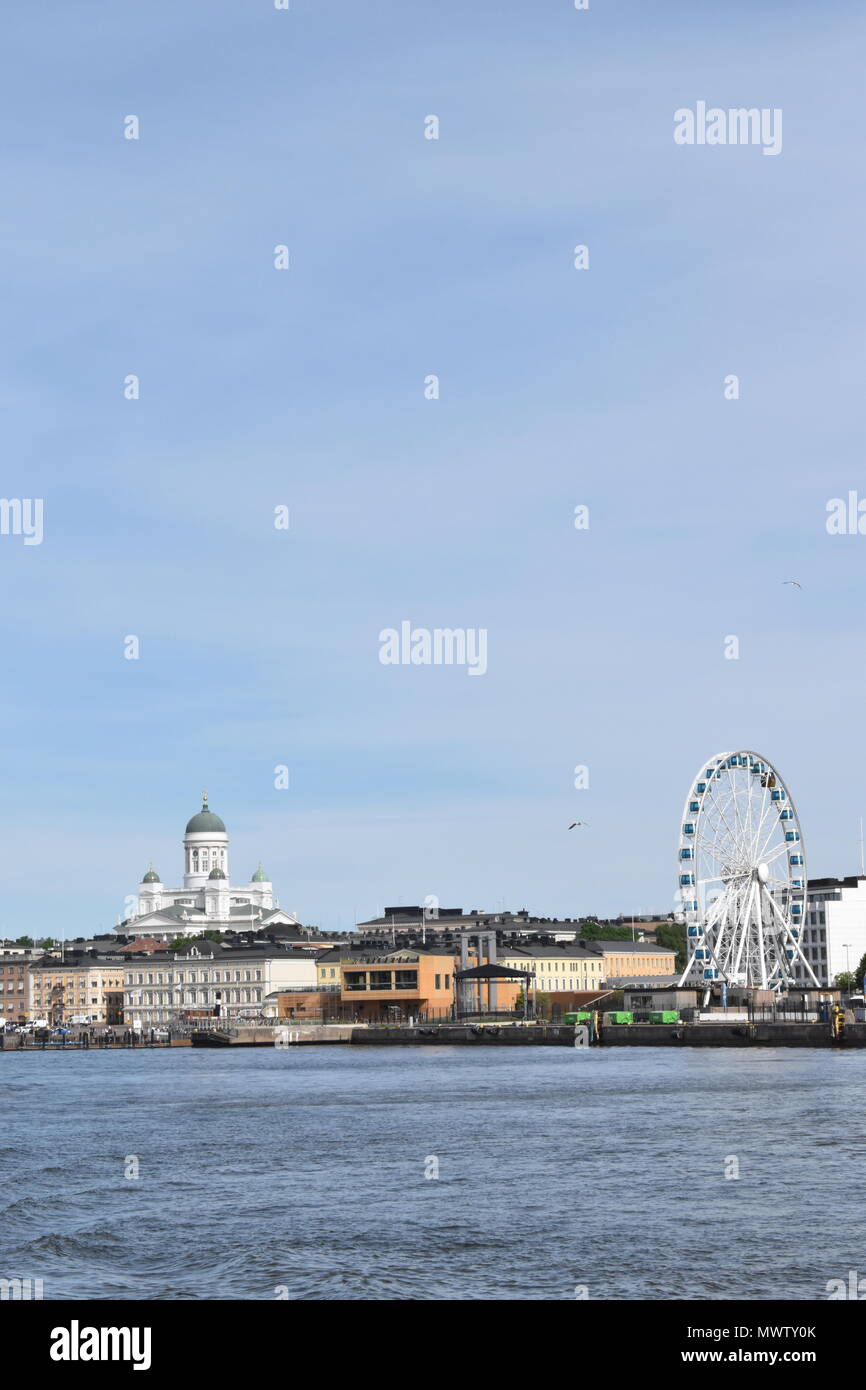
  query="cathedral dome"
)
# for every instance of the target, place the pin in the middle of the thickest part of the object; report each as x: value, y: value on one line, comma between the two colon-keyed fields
x: 216, y: 873
x: 260, y: 876
x: 151, y: 876
x: 205, y: 822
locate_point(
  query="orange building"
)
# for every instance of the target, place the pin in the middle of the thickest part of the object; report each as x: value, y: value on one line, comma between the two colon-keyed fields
x: 399, y: 984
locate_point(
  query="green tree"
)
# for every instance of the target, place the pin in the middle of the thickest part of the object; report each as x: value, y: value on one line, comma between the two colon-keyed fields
x: 24, y: 941
x: 846, y: 981
x: 673, y: 935
x: 860, y: 974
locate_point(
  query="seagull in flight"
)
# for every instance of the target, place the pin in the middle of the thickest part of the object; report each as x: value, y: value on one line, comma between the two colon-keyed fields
x: 792, y: 581
x: 578, y: 822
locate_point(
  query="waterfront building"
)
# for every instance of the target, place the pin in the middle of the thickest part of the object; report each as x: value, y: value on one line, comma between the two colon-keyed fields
x: 833, y: 936
x: 14, y: 989
x: 207, y: 899
x: 385, y: 984
x: 633, y: 959
x: 211, y: 979
x: 557, y: 967
x: 82, y: 984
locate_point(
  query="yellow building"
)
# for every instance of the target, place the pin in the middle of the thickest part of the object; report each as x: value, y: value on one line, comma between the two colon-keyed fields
x: 635, y: 959
x: 558, y: 968
x: 84, y: 987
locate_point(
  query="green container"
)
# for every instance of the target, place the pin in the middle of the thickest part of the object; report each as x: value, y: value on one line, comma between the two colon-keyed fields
x: 576, y: 1018
x: 623, y: 1016
x: 664, y: 1016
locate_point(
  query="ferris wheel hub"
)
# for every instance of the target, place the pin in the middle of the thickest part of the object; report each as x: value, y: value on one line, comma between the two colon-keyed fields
x: 762, y: 873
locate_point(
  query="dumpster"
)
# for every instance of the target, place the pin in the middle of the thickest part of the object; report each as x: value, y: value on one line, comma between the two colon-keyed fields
x: 664, y: 1016
x: 621, y: 1016
x: 576, y: 1018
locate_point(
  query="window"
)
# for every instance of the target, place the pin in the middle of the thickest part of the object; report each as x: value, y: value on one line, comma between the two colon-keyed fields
x: 438, y: 980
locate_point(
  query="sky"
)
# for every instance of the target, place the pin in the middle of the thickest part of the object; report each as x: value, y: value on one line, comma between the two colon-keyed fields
x: 259, y: 388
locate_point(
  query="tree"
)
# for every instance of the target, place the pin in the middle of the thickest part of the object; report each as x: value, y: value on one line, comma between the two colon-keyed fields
x: 673, y: 935
x: 860, y: 974
x: 846, y: 981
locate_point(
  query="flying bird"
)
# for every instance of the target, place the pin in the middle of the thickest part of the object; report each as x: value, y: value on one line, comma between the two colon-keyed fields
x: 792, y: 581
x: 578, y: 822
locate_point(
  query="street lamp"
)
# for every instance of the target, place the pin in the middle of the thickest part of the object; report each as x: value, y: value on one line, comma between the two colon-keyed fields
x: 846, y: 946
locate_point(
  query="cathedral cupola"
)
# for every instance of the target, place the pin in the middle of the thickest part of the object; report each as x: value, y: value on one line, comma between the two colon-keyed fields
x: 205, y: 847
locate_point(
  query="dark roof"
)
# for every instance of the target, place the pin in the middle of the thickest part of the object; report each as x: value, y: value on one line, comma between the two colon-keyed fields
x: 601, y: 944
x: 491, y: 972
x: 555, y: 950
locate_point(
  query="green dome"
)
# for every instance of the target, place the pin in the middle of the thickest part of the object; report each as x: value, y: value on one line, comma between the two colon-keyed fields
x: 216, y: 873
x: 205, y: 822
x: 260, y: 876
x: 151, y: 876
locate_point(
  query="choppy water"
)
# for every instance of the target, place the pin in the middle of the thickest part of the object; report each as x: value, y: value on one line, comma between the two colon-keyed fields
x: 305, y: 1168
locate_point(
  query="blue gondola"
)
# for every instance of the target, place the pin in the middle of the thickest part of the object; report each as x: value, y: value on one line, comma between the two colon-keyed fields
x: 688, y: 828
x: 777, y: 795
x: 687, y: 880
x: 792, y: 835
x: 786, y: 814
x: 687, y: 853
x: 795, y: 859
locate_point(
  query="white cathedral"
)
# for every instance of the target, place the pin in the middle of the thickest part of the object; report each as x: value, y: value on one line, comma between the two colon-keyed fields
x: 207, y: 901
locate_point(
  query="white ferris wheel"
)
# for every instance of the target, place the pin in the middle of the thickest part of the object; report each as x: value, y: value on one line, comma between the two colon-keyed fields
x: 742, y: 877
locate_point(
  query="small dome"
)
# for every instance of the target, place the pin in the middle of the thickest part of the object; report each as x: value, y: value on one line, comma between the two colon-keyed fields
x: 260, y: 876
x: 151, y: 876
x: 205, y: 822
x: 216, y: 873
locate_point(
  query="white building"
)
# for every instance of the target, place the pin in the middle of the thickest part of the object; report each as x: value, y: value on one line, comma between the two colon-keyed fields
x: 208, y: 978
x: 834, y: 932
x: 207, y: 900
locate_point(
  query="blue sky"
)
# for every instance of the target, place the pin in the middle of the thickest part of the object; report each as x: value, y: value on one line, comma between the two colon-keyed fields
x: 409, y: 257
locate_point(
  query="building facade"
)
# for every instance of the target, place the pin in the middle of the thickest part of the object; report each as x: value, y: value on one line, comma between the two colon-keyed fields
x: 207, y: 979
x: 14, y: 989
x: 833, y: 936
x: 83, y: 986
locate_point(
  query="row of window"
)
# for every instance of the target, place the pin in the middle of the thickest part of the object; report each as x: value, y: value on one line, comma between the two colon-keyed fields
x: 170, y: 977
x: 149, y: 997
